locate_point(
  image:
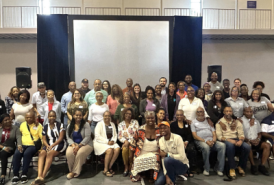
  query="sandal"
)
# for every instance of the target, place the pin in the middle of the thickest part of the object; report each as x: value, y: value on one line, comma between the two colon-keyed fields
x: 111, y: 171
x: 108, y: 174
x: 70, y: 176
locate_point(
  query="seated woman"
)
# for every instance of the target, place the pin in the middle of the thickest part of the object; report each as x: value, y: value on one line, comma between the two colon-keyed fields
x: 200, y: 93
x: 145, y: 146
x: 51, y: 104
x: 160, y: 114
x: 181, y: 128
x: 126, y: 130
x: 105, y: 142
x: 54, y: 143
x: 79, y: 138
x: 31, y: 143
x: 11, y: 136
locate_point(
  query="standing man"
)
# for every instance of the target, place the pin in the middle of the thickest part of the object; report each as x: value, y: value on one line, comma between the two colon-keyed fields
x: 38, y: 98
x: 233, y: 137
x: 66, y: 98
x: 215, y: 85
x: 163, y: 82
x: 84, y: 88
x: 90, y: 96
x: 129, y: 87
x: 226, y: 90
x: 188, y: 80
x: 173, y: 156
x: 237, y: 82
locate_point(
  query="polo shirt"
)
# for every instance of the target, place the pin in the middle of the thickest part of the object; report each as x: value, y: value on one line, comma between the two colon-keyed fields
x: 202, y: 129
x: 36, y: 132
x: 251, y: 132
x: 90, y: 97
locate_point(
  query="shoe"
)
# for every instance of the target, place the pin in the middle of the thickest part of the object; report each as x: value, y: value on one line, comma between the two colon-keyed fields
x: 2, y: 181
x: 241, y: 171
x: 206, y: 173
x: 70, y: 176
x: 15, y: 180
x: 125, y: 174
x: 254, y: 170
x: 263, y: 170
x: 220, y: 173
x: 24, y: 179
x: 232, y: 173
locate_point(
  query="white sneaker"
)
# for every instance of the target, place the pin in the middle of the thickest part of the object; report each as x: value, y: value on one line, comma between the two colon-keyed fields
x: 206, y: 173
x: 220, y: 173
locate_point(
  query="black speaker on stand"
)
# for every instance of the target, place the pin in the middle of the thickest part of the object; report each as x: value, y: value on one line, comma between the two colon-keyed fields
x: 214, y: 68
x: 23, y: 77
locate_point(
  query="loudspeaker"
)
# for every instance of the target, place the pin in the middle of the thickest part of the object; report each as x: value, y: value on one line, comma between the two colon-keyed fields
x: 23, y: 77
x: 214, y: 68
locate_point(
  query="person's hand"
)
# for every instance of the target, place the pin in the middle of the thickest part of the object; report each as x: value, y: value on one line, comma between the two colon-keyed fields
x: 255, y: 142
x: 162, y: 153
x: 223, y: 126
x: 252, y: 122
x: 188, y: 122
x: 111, y: 143
x: 185, y: 143
x: 239, y: 143
x: 7, y: 149
x: 208, y: 143
x: 20, y: 148
x: 75, y: 149
x: 49, y: 148
x: 168, y: 180
x: 210, y: 122
x: 126, y: 144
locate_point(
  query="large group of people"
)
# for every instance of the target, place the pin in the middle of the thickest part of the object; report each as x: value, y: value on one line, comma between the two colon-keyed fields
x: 160, y: 132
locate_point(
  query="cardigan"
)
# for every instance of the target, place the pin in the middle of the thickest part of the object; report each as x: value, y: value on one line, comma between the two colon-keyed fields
x: 45, y: 111
x: 214, y: 112
x: 164, y: 104
x: 15, y: 137
x: 85, y: 133
x: 142, y: 108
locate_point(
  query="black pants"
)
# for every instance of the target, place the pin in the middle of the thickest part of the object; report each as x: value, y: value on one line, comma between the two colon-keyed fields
x: 191, y: 153
x: 4, y: 160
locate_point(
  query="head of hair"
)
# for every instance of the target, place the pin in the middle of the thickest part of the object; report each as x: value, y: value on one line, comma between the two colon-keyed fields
x: 161, y: 108
x: 99, y: 92
x: 128, y: 109
x: 109, y: 87
x: 188, y: 75
x: 147, y: 113
x: 214, y: 73
x: 51, y: 112
x: 227, y: 107
x: 237, y: 79
x: 258, y: 83
x: 214, y: 94
x: 171, y: 83
x: 24, y: 92
x: 234, y: 88
x: 10, y: 93
x: 162, y: 78
x: 157, y: 85
x: 258, y: 92
x: 225, y: 80
x: 3, y: 116
x: 96, y: 80
x: 106, y: 112
x: 150, y: 88
x: 120, y: 93
x: 200, y: 89
x: 207, y: 84
x: 178, y: 83
x: 243, y: 85
x: 73, y: 100
x: 134, y: 94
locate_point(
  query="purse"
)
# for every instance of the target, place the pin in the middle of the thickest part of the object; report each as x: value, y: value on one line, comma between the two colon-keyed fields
x: 38, y: 143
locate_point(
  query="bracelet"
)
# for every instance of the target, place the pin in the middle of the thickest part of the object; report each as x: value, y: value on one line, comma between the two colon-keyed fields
x: 3, y: 148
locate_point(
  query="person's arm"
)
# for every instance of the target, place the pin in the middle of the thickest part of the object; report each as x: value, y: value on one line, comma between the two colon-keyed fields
x: 69, y: 139
x: 133, y: 142
x: 40, y: 130
x: 142, y: 107
x: 45, y: 143
x: 63, y: 105
x: 181, y: 150
x: 117, y: 113
x: 114, y: 137
x: 196, y: 137
x: 240, y: 131
x: 219, y: 133
x: 90, y: 114
x: 121, y: 138
x: 98, y: 137
x: 86, y: 115
x: 214, y: 136
x: 68, y: 111
x: 58, y: 112
x: 87, y: 137
x: 18, y: 137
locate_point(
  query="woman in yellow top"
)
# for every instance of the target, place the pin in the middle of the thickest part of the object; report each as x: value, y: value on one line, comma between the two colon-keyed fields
x: 31, y: 131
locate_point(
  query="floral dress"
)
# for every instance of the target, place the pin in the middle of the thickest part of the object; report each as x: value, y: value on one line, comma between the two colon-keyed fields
x: 125, y: 133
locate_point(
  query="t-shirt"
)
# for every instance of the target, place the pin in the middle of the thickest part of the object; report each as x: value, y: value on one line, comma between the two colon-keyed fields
x: 184, y: 132
x: 202, y: 129
x: 20, y: 111
x: 96, y: 112
x: 237, y: 106
x: 267, y: 124
x: 216, y: 86
x: 260, y: 109
x: 226, y: 94
x: 150, y: 106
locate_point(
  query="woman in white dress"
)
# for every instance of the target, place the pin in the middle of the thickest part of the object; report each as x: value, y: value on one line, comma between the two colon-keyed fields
x: 105, y: 142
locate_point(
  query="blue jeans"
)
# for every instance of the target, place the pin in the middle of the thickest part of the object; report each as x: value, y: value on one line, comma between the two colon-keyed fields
x: 231, y: 150
x: 174, y: 168
x: 65, y: 121
x: 92, y: 126
x: 219, y: 147
x: 27, y: 154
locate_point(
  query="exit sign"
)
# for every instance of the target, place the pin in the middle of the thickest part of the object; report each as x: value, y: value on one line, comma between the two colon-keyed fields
x: 251, y: 4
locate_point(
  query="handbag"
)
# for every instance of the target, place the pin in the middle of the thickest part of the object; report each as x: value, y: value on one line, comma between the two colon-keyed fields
x: 38, y: 143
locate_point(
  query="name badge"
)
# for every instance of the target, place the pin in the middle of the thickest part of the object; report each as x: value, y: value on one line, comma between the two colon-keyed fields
x: 186, y: 126
x: 255, y: 123
x: 157, y: 134
x: 81, y: 107
x: 174, y: 100
x: 196, y: 124
x: 3, y: 133
x: 122, y: 109
x: 240, y: 103
x: 272, y: 121
x: 215, y: 107
x: 109, y: 126
x: 153, y: 105
x: 0, y: 106
x: 262, y: 101
x: 217, y: 87
x: 34, y: 128
x: 194, y: 103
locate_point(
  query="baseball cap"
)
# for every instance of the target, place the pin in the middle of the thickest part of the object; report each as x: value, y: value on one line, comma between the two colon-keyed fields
x: 85, y: 80
x: 164, y: 123
x: 41, y: 84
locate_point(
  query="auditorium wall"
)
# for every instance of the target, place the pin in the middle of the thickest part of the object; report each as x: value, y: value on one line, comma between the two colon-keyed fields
x: 249, y: 60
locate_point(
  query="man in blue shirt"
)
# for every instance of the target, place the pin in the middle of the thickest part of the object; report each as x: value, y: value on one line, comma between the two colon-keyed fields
x: 66, y: 98
x: 90, y: 96
x: 188, y: 80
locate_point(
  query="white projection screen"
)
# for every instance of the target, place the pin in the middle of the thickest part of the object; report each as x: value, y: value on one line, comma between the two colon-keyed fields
x: 115, y: 50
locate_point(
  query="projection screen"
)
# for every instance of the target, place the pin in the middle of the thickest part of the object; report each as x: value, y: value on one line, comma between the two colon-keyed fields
x: 115, y: 50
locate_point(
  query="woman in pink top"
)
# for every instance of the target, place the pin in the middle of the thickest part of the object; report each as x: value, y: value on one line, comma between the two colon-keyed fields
x: 181, y: 89
x: 114, y: 99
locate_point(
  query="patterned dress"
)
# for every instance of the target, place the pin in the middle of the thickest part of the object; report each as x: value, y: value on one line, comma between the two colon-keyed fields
x: 125, y: 133
x: 9, y: 102
x: 152, y: 161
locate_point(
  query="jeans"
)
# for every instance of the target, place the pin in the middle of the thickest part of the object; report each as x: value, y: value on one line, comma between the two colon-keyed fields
x: 219, y: 147
x: 231, y: 150
x: 4, y: 160
x: 92, y: 126
x: 65, y: 121
x: 174, y: 168
x: 27, y: 154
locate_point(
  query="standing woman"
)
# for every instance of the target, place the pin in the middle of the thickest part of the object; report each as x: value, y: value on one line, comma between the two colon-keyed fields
x: 19, y: 109
x: 127, y: 104
x: 54, y: 143
x: 260, y: 85
x: 244, y: 93
x: 136, y: 99
x: 150, y: 103
x: 12, y: 98
x: 77, y: 103
x: 208, y: 92
x: 114, y: 99
x: 126, y: 130
x: 260, y: 105
x: 236, y: 103
x: 79, y: 138
x: 51, y: 104
x: 200, y: 93
x: 161, y: 115
x: 97, y: 110
x: 106, y: 86
x: 105, y: 142
x: 216, y: 106
x: 11, y: 138
x: 158, y: 90
x: 181, y: 89
x: 170, y: 102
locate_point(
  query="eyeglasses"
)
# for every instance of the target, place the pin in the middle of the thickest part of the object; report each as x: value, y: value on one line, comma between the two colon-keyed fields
x: 200, y: 112
x: 128, y: 114
x: 190, y: 91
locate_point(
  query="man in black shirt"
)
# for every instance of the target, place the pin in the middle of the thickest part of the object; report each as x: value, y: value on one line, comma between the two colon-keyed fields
x: 226, y: 84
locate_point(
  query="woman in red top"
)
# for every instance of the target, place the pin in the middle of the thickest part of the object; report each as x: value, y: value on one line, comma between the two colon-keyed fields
x: 181, y: 89
x: 114, y: 99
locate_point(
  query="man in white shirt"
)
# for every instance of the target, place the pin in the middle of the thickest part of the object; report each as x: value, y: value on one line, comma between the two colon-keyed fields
x: 38, y: 98
x: 214, y: 83
x: 173, y: 155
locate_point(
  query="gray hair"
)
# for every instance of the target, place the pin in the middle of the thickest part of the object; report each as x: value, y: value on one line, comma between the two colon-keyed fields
x: 147, y: 113
x: 99, y: 92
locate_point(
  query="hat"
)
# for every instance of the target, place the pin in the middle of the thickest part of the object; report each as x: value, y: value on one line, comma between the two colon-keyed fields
x: 41, y: 84
x: 85, y: 80
x: 164, y: 123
